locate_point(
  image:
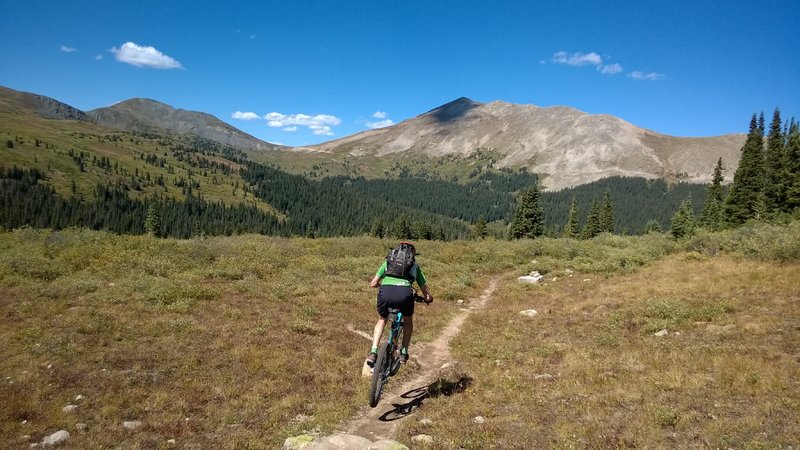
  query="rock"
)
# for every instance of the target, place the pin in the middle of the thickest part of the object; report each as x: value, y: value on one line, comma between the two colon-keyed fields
x: 80, y: 426
x: 171, y: 441
x: 528, y: 313
x: 533, y: 278
x: 297, y: 442
x: 425, y: 422
x: 55, y: 438
x: 569, y: 272
x: 132, y: 424
x: 79, y: 398
x: 478, y: 420
x: 555, y: 279
x: 585, y: 280
x: 422, y: 439
x: 69, y: 408
x: 544, y: 376
x: 661, y: 333
x: 460, y: 301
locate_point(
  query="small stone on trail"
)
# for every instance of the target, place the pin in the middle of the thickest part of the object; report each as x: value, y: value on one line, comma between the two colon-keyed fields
x: 69, y: 408
x: 528, y: 313
x: 460, y: 301
x: 661, y: 333
x: 479, y: 420
x: 55, y: 438
x: 533, y: 278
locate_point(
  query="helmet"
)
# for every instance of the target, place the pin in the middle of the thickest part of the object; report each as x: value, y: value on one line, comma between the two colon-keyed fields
x: 410, y: 245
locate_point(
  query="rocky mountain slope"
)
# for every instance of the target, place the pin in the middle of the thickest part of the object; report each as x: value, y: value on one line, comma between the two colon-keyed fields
x: 570, y: 146
x: 15, y: 101
x: 145, y: 115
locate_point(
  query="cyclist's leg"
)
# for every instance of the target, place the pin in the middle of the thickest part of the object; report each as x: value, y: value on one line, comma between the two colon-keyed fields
x: 378, y: 332
x: 408, y: 328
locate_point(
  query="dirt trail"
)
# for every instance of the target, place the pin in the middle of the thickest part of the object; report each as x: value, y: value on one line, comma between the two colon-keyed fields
x: 397, y: 402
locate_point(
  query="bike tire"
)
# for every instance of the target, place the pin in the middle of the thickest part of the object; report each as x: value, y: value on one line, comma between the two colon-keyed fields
x: 379, y: 375
x: 395, y: 362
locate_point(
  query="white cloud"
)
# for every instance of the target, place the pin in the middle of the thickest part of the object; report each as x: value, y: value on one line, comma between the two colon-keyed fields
x: 652, y: 76
x: 66, y: 49
x: 144, y: 56
x: 319, y: 124
x: 381, y: 124
x: 577, y: 59
x: 379, y: 115
x: 245, y: 115
x: 609, y: 69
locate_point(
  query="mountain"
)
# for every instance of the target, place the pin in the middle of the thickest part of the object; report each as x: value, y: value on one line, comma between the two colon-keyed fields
x: 149, y: 116
x: 17, y: 102
x: 566, y: 145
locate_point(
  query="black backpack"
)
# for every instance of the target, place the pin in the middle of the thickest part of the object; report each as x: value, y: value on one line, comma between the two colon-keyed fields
x: 399, y: 262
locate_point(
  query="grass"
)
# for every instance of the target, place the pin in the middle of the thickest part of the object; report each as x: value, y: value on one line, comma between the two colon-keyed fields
x: 225, y: 342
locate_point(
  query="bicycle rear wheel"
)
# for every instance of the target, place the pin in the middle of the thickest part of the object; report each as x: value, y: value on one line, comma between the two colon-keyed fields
x: 380, y: 372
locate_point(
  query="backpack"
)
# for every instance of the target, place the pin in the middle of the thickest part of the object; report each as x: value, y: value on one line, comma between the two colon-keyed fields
x: 399, y: 262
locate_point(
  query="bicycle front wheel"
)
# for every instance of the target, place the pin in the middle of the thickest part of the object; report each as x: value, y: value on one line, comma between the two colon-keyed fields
x: 380, y: 372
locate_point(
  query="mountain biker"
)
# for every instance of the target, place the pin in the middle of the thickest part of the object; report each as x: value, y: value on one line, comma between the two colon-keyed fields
x: 394, y: 292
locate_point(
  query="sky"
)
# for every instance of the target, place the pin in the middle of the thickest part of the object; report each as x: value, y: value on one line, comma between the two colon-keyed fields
x: 303, y: 72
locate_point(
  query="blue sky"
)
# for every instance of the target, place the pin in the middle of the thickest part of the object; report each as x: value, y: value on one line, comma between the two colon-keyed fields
x: 303, y: 72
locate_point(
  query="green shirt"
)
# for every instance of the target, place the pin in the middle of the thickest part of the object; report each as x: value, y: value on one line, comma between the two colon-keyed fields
x: 388, y: 280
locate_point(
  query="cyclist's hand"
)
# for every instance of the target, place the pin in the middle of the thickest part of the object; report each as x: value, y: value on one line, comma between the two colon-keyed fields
x: 428, y: 298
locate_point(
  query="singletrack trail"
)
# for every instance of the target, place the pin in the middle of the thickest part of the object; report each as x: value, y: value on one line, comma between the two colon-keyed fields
x: 398, y: 402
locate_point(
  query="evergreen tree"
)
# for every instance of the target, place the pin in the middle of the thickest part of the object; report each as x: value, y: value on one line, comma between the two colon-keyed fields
x: 378, y: 228
x: 793, y: 167
x: 607, y: 214
x: 711, y: 217
x: 594, y: 224
x: 571, y: 228
x: 152, y: 223
x: 529, y: 217
x: 774, y: 167
x: 745, y: 198
x: 481, y: 231
x: 683, y: 222
x: 652, y: 226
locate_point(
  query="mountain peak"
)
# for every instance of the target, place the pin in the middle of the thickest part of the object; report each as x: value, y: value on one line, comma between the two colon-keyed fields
x: 454, y: 110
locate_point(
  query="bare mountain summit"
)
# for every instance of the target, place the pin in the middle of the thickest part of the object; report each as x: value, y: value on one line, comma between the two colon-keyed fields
x: 570, y: 146
x: 150, y: 116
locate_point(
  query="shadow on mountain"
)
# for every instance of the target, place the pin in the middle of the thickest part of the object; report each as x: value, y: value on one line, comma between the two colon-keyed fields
x: 450, y: 112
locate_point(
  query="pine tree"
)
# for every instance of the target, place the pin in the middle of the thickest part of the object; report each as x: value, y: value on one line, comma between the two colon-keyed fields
x: 793, y: 167
x: 774, y: 167
x: 746, y: 192
x: 683, y: 222
x: 607, y: 214
x: 480, y: 228
x: 711, y: 217
x: 652, y: 226
x: 571, y: 228
x: 529, y: 217
x: 152, y: 223
x: 593, y: 225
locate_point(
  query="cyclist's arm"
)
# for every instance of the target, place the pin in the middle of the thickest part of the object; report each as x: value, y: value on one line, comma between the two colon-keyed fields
x: 376, y: 280
x: 423, y: 285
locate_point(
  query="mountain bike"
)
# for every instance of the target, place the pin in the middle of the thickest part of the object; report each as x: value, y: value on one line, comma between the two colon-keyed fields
x: 388, y: 362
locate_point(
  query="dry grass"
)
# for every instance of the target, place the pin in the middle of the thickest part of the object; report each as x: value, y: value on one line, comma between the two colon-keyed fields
x: 589, y: 372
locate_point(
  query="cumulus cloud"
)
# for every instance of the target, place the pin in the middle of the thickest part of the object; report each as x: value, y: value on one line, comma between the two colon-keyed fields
x: 651, y: 76
x: 381, y: 124
x: 319, y: 124
x: 144, y: 56
x: 577, y: 59
x: 609, y: 69
x: 66, y: 49
x: 379, y: 115
x: 245, y: 115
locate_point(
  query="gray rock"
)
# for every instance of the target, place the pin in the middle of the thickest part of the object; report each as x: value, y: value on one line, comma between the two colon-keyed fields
x: 661, y: 333
x: 533, y: 278
x: 69, y: 408
x: 529, y: 313
x: 55, y: 438
x: 479, y: 420
x: 132, y: 424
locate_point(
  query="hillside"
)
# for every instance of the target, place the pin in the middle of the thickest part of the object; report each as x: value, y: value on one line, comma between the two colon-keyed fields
x: 567, y: 146
x: 149, y: 116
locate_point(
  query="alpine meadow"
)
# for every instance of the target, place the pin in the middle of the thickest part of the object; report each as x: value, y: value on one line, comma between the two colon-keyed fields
x: 587, y: 216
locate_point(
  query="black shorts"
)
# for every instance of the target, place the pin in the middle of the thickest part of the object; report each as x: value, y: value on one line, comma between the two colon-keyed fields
x: 395, y: 297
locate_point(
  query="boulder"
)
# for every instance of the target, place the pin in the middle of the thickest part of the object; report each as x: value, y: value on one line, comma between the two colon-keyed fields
x: 55, y: 438
x: 533, y: 278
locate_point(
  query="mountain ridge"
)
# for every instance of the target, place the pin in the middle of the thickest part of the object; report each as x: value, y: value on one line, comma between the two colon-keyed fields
x: 569, y: 146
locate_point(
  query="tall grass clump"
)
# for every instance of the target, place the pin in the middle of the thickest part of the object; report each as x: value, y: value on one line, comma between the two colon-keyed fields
x: 767, y: 242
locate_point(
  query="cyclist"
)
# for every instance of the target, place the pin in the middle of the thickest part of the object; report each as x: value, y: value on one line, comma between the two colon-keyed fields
x: 396, y: 292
